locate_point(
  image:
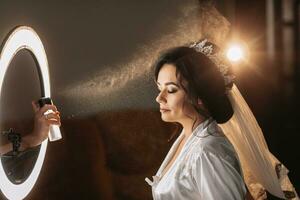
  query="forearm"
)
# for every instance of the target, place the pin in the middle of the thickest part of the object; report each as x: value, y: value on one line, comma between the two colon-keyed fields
x: 4, y: 148
x: 25, y: 144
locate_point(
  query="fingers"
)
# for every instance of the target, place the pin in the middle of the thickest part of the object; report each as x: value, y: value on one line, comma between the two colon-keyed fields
x: 53, y: 118
x: 48, y: 113
x: 35, y: 107
x: 53, y: 122
x: 47, y: 107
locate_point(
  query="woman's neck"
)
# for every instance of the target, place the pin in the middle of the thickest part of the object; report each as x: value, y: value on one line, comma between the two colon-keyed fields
x: 190, y: 124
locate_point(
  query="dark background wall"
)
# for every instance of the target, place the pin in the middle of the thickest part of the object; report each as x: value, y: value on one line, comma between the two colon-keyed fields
x: 100, y: 55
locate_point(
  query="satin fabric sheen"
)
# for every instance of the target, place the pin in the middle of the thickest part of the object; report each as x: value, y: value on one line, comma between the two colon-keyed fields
x: 207, y: 168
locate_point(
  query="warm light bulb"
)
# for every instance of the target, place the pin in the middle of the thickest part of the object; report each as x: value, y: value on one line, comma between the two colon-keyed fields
x: 235, y: 53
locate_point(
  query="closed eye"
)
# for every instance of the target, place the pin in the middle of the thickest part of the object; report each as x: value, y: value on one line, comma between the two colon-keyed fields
x: 172, y: 91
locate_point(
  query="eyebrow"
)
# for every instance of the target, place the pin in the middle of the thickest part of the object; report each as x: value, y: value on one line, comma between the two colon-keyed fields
x: 168, y: 83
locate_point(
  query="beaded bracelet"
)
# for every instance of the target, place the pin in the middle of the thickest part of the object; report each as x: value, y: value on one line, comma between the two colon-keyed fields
x: 15, y: 138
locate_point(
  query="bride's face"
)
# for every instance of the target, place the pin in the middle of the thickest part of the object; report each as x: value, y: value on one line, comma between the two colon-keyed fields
x: 172, y: 98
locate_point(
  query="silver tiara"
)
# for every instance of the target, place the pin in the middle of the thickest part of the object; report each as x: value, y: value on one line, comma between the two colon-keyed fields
x: 216, y: 58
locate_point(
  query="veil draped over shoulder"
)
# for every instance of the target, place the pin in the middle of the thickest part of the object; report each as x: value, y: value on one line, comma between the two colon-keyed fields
x: 260, y: 167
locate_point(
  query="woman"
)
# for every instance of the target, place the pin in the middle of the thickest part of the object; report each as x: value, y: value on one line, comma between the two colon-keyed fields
x: 202, y: 163
x: 197, y: 91
x: 41, y: 128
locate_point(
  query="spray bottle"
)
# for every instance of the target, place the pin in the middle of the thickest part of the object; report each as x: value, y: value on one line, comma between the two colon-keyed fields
x: 54, y: 133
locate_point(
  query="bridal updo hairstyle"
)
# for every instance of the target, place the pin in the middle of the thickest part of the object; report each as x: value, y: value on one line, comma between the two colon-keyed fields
x: 203, y: 78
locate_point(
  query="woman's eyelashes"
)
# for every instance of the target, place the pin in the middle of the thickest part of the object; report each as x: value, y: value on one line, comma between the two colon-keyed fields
x: 169, y: 90
x: 172, y: 90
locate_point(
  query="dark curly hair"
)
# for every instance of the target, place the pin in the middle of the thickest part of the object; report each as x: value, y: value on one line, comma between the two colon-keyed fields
x: 204, y: 81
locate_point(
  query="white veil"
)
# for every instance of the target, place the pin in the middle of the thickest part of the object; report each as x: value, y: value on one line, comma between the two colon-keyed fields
x: 258, y: 163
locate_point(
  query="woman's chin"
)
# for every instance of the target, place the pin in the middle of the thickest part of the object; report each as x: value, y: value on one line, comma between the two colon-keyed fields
x: 166, y: 119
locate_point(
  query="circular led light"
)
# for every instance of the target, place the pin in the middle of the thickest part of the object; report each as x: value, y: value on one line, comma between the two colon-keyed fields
x: 24, y: 38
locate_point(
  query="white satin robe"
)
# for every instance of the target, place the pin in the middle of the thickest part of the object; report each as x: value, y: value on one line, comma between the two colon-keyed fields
x: 207, y: 168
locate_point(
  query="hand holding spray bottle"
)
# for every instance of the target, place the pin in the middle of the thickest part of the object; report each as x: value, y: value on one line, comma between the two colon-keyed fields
x: 54, y: 133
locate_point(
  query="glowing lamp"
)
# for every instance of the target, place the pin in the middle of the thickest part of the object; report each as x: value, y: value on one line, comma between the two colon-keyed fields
x: 235, y: 53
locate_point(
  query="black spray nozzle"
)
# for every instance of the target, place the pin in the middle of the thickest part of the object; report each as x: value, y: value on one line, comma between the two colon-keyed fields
x: 44, y: 100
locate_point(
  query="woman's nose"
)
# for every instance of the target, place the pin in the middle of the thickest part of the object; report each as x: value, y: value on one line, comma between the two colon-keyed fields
x: 160, y: 98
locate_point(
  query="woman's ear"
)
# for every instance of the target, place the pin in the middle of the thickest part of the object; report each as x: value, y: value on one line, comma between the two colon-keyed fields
x: 199, y: 102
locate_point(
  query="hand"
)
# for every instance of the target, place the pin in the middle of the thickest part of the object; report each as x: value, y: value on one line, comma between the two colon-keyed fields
x: 42, y: 124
